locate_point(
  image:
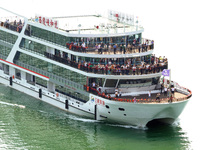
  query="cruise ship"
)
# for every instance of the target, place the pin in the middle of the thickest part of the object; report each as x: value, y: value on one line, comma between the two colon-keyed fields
x: 96, y: 66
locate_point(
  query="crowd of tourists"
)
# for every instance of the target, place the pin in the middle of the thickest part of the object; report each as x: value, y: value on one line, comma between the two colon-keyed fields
x: 125, y: 69
x: 166, y: 96
x: 114, y: 68
x: 131, y: 47
x: 14, y: 26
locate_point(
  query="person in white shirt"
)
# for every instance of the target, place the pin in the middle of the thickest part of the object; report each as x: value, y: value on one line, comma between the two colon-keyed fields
x: 172, y: 90
x: 165, y: 91
x: 93, y: 85
x: 134, y: 69
x: 149, y: 93
x: 83, y: 45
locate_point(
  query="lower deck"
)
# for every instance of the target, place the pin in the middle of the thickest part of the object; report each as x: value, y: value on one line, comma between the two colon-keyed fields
x: 156, y: 96
x: 144, y: 98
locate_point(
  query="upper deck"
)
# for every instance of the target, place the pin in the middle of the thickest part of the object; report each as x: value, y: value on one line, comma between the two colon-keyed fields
x: 83, y: 35
x: 96, y: 25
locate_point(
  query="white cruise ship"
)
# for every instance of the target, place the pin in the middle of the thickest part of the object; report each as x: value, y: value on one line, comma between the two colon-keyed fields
x: 90, y: 65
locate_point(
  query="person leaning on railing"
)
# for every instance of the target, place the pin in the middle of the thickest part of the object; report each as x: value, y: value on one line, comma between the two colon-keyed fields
x: 112, y: 68
x: 121, y: 47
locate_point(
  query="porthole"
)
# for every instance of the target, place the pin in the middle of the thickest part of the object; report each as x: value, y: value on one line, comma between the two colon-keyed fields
x: 107, y: 106
x: 121, y: 109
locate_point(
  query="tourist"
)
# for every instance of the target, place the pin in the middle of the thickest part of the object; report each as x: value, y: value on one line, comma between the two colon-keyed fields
x: 120, y: 93
x: 109, y: 97
x: 152, y: 45
x: 124, y: 48
x: 158, y: 97
x: 116, y: 94
x: 83, y: 47
x: 168, y: 92
x: 161, y: 88
x: 115, y: 47
x: 134, y: 42
x: 149, y: 93
x: 171, y: 99
x: 165, y: 90
x: 134, y: 99
x: 121, y: 48
x: 109, y: 49
x: 172, y: 90
x: 94, y: 85
x: 15, y: 23
x: 99, y: 48
x: 134, y: 69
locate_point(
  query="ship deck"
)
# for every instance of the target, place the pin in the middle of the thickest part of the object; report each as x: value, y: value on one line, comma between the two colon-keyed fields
x: 93, y: 24
x: 180, y: 94
x: 144, y: 98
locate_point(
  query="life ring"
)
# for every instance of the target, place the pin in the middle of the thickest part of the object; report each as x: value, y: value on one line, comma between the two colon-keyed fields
x: 13, y: 77
x: 57, y: 94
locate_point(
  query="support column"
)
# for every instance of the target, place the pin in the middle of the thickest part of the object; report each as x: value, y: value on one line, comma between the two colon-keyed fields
x: 51, y: 86
x: 77, y: 59
x: 23, y: 77
x: 12, y: 71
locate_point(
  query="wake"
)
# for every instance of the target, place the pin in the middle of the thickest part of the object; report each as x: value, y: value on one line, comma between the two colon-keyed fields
x: 10, y: 104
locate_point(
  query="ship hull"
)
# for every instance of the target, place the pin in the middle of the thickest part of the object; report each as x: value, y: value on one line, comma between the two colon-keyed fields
x: 140, y: 114
x: 98, y: 108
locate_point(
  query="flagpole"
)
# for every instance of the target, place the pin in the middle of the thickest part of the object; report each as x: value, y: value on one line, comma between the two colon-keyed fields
x: 170, y: 83
x: 170, y: 78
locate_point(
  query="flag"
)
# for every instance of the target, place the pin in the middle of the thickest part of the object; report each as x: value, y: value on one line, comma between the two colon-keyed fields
x: 166, y: 72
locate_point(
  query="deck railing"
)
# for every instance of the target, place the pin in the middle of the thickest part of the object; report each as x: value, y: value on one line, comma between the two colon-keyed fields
x: 11, y: 26
x: 149, y: 100
x: 102, y: 69
x: 109, y: 49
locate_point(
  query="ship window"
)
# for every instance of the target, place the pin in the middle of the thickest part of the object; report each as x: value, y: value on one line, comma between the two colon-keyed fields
x: 107, y: 106
x: 121, y: 109
x: 111, y: 83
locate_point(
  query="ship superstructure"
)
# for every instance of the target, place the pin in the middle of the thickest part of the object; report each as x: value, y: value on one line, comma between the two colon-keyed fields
x: 102, y: 69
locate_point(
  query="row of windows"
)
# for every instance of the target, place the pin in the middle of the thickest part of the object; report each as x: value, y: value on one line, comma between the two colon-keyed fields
x: 7, y: 37
x: 71, y: 93
x: 63, y: 90
x: 50, y: 36
x: 49, y: 67
x: 33, y: 46
x: 4, y: 50
x: 41, y: 49
x: 90, y: 41
x: 41, y: 81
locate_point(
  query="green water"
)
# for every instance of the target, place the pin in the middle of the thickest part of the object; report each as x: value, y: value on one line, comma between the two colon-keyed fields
x: 42, y: 126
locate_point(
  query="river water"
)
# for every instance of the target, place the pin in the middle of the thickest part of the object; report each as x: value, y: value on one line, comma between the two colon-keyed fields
x: 42, y: 126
